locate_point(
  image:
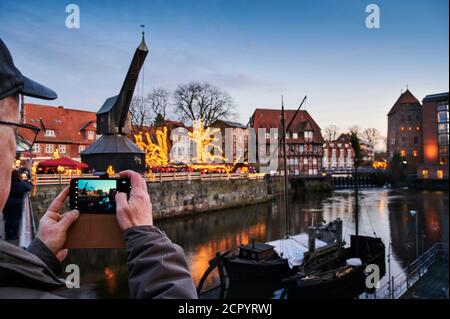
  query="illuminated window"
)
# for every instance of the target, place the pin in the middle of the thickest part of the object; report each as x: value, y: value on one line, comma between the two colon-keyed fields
x: 402, y: 128
x: 48, y: 148
x: 62, y: 148
x: 49, y: 133
x: 440, y: 174
x: 417, y: 128
x: 90, y: 135
x: 425, y: 174
x: 402, y: 153
x: 415, y: 153
x: 409, y: 128
x: 36, y: 148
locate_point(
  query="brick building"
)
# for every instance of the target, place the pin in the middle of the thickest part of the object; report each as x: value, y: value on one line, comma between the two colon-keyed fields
x: 435, y: 116
x: 304, y: 141
x: 338, y: 155
x: 404, y: 136
x: 68, y: 130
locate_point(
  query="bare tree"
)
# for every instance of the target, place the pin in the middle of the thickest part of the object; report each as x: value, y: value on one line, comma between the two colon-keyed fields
x: 202, y: 101
x: 355, y: 129
x: 140, y: 113
x: 330, y: 132
x: 372, y: 136
x: 158, y: 102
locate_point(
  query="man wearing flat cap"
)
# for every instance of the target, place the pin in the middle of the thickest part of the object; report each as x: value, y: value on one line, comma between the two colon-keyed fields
x: 157, y: 267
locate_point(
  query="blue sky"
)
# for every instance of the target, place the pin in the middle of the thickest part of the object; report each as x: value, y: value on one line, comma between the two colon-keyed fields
x: 104, y: 185
x: 255, y: 50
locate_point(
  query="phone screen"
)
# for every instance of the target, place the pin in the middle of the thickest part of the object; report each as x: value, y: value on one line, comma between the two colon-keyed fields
x: 97, y: 195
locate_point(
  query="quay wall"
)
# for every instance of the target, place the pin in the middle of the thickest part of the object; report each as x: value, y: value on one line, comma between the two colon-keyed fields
x: 181, y: 198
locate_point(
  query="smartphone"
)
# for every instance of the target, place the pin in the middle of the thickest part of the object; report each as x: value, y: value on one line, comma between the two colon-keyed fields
x: 97, y: 195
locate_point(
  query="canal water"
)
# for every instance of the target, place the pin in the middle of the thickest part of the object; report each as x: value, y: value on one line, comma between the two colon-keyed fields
x: 384, y: 212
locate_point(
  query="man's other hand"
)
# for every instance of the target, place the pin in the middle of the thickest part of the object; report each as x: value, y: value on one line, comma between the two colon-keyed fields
x: 53, y: 226
x: 137, y: 211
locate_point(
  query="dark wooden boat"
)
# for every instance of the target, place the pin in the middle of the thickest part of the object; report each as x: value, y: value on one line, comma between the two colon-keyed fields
x: 256, y: 261
x: 342, y: 280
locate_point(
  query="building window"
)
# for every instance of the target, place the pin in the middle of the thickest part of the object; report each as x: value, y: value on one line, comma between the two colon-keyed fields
x: 305, y: 161
x: 410, y: 128
x: 440, y: 174
x: 36, y: 148
x: 416, y: 140
x: 91, y: 135
x: 443, y: 128
x: 417, y: 128
x: 415, y: 153
x: 294, y: 135
x: 402, y: 128
x: 402, y: 153
x: 287, y: 135
x: 48, y: 148
x: 81, y: 148
x: 301, y: 148
x: 425, y: 174
x: 308, y: 135
x: 62, y: 148
x: 442, y: 116
x: 49, y: 133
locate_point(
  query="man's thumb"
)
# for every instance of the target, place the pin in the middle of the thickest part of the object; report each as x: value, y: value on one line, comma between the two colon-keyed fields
x: 68, y: 219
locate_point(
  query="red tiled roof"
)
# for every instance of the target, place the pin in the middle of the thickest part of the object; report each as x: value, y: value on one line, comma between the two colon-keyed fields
x: 405, y: 98
x: 67, y: 123
x: 271, y: 118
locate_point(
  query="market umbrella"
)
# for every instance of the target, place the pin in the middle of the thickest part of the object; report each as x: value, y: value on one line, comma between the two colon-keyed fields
x: 63, y: 161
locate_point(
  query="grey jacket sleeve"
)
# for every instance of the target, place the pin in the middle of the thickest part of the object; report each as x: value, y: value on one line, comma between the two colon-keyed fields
x: 38, y: 248
x: 157, y: 267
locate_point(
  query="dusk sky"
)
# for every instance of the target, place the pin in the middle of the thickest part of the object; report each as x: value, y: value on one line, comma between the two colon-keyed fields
x: 255, y: 50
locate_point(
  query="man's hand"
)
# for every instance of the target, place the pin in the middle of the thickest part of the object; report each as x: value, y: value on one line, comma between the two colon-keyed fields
x: 137, y: 211
x: 53, y: 226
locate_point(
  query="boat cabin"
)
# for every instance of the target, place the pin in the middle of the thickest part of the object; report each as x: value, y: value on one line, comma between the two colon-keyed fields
x: 256, y: 251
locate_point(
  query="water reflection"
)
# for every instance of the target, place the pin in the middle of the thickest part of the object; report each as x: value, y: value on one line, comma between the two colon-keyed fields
x: 383, y: 212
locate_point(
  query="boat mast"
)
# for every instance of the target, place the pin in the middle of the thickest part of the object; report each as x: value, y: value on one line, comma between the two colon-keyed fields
x: 283, y: 147
x: 354, y: 139
x: 355, y: 182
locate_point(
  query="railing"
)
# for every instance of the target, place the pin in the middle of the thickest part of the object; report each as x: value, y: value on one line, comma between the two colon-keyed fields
x: 27, y: 228
x: 57, y: 179
x: 400, y: 283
